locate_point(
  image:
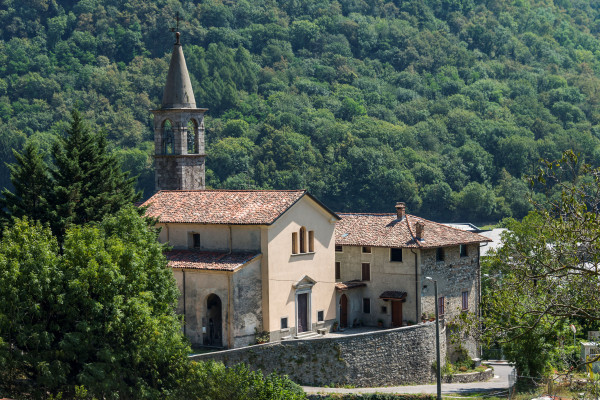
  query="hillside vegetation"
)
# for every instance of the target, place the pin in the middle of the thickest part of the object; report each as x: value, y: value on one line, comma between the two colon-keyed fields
x: 444, y: 104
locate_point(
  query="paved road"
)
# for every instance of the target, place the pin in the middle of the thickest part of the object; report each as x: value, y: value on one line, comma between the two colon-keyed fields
x: 498, y: 383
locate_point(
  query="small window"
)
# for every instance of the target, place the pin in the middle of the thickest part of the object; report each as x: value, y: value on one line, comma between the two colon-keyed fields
x: 463, y: 250
x: 320, y: 316
x: 383, y: 309
x: 366, y: 271
x: 396, y: 255
x: 294, y: 242
x: 302, y: 240
x: 338, y: 248
x: 196, y: 240
x: 284, y: 323
x: 311, y: 241
x: 439, y: 254
x: 441, y: 305
x: 367, y: 306
x: 366, y: 249
x: 465, y: 300
x: 338, y: 270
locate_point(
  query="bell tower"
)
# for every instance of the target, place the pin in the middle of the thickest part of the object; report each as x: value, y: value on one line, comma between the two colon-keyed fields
x: 179, y: 131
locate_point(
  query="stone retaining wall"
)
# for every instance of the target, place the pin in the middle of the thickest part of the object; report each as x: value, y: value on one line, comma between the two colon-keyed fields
x: 382, y: 358
x: 470, y: 377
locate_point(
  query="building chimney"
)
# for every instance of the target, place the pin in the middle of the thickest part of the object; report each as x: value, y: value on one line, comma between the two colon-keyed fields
x: 420, y: 230
x: 400, y: 209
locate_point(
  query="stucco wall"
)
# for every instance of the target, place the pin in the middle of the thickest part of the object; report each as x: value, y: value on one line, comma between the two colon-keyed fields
x: 388, y: 357
x: 212, y: 237
x: 454, y: 275
x: 385, y: 275
x: 247, y: 305
x: 282, y: 269
x: 244, y: 303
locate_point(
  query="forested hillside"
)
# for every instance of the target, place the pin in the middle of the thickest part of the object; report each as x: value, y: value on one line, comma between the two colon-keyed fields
x: 444, y: 104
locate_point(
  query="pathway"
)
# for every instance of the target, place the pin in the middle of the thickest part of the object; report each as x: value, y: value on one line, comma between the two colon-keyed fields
x: 498, y: 383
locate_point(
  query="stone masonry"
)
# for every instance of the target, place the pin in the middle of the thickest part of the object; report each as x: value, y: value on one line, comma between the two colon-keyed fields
x: 397, y: 356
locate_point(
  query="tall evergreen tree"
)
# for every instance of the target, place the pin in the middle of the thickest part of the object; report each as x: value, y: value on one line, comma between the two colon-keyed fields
x: 30, y: 178
x: 88, y: 181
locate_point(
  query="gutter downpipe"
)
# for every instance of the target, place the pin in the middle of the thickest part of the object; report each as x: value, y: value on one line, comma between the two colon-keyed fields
x: 479, y: 315
x: 417, y: 295
x: 184, y: 308
x: 229, y: 297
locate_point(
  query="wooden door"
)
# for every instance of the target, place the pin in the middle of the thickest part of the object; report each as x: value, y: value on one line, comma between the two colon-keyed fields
x: 303, y: 312
x: 396, y: 313
x: 344, y: 311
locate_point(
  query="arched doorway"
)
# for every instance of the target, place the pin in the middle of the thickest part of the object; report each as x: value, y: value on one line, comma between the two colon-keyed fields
x: 214, y: 336
x: 344, y: 311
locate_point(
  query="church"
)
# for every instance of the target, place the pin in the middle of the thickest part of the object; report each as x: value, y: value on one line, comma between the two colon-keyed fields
x: 245, y: 261
x: 281, y: 264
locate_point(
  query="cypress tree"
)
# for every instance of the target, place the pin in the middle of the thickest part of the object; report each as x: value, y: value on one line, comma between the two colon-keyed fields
x: 31, y: 181
x: 88, y: 181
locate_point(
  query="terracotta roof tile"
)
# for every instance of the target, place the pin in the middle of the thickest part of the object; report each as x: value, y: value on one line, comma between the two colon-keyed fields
x: 385, y: 230
x: 349, y: 285
x: 393, y: 294
x: 260, y: 207
x: 190, y: 259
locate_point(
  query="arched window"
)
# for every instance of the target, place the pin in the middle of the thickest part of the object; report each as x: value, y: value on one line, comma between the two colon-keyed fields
x: 303, y: 240
x: 168, y: 142
x: 192, y: 137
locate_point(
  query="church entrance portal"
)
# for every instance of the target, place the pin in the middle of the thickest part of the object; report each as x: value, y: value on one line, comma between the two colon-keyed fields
x: 214, y: 336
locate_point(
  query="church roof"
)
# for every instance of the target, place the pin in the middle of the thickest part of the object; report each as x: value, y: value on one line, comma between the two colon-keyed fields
x: 178, y: 88
x: 386, y: 230
x: 204, y: 260
x: 230, y: 207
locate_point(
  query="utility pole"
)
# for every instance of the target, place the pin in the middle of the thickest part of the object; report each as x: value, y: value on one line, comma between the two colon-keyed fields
x: 437, y: 339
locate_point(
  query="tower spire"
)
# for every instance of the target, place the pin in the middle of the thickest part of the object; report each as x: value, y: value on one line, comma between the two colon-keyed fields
x: 179, y: 129
x: 178, y: 88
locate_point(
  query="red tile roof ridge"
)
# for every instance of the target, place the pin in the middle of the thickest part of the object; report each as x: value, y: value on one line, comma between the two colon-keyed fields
x: 450, y: 227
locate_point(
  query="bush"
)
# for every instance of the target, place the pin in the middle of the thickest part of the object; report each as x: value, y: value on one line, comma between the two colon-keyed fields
x: 213, y: 381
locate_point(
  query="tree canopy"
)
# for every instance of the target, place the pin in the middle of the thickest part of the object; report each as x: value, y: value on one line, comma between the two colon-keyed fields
x: 316, y: 94
x: 546, y: 275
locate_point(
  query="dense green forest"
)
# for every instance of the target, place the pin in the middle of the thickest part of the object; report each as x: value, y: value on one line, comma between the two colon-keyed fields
x: 444, y: 104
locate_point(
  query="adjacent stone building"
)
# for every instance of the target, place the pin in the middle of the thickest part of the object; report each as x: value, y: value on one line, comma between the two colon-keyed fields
x: 382, y: 261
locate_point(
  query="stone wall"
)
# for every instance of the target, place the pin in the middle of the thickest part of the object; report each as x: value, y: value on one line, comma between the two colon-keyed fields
x: 388, y: 357
x: 454, y: 276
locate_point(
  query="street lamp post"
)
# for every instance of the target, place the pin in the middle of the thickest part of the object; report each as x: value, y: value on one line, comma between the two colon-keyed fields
x: 437, y: 339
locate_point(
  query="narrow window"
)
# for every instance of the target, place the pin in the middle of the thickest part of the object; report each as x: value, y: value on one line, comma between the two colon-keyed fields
x: 465, y: 300
x: 311, y: 241
x: 192, y: 137
x: 463, y: 250
x: 320, y: 316
x: 439, y: 254
x: 366, y: 271
x: 396, y: 255
x: 367, y: 306
x: 441, y: 305
x: 338, y: 270
x: 366, y: 249
x: 294, y: 242
x: 168, y: 138
x: 383, y: 309
x: 338, y: 248
x: 303, y: 240
x: 196, y: 240
x: 284, y: 324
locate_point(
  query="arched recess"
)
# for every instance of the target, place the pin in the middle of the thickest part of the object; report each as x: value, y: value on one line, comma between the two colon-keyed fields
x: 168, y: 138
x: 193, y: 142
x: 214, y: 331
x: 302, y: 240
